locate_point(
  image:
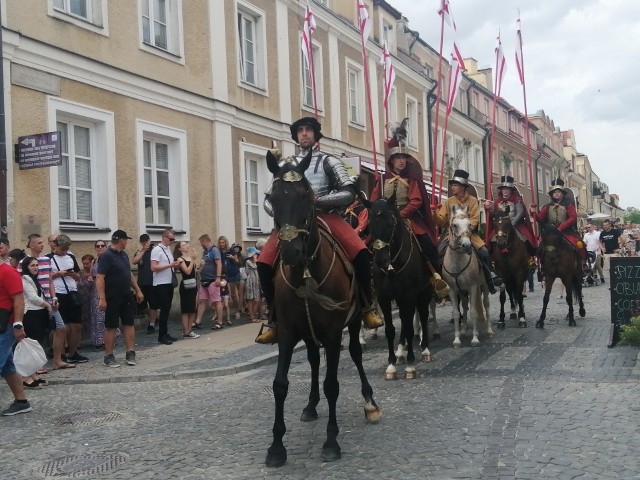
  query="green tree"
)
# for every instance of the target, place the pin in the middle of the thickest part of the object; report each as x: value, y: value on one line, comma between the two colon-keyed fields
x: 632, y: 215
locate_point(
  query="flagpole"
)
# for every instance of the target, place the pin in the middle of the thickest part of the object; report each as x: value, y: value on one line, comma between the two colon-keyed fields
x: 493, y: 134
x: 526, y: 121
x: 368, y: 88
x: 444, y: 132
x: 312, y: 74
x: 435, y: 136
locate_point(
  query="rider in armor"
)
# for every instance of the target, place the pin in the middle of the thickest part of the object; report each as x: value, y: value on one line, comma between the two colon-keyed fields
x: 463, y: 194
x: 403, y: 179
x: 509, y: 199
x: 561, y: 212
x: 334, y: 190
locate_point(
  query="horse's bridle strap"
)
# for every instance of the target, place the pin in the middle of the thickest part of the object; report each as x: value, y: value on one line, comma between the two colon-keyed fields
x: 289, y: 232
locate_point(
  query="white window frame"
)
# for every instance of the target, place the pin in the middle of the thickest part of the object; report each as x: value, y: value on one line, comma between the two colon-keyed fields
x: 250, y: 152
x: 411, y: 112
x: 393, y: 106
x: 105, y: 202
x: 478, y: 167
x: 175, y: 33
x: 387, y: 34
x: 258, y: 17
x: 305, y: 78
x: 355, y: 94
x: 178, y: 180
x: 96, y: 20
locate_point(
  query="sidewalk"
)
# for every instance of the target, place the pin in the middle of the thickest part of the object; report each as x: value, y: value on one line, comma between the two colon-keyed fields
x: 216, y: 353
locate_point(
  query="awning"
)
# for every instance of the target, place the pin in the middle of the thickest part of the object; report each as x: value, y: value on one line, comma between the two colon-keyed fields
x: 364, y: 164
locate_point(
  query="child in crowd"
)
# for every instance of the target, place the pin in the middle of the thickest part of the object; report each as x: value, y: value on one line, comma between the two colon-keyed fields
x: 252, y: 286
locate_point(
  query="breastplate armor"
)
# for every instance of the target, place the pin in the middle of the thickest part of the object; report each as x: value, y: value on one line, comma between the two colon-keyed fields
x: 316, y: 175
x: 401, y: 189
x: 557, y: 214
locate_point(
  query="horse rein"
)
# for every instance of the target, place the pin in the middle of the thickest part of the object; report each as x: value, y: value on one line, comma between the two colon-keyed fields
x: 380, y: 244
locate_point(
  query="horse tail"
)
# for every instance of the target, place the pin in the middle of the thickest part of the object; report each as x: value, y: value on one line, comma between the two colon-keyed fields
x: 576, y: 289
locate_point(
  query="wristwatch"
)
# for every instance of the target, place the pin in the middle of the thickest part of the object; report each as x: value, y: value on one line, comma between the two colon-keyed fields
x: 18, y: 326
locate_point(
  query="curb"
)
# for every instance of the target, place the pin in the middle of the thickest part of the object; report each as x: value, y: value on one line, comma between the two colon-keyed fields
x: 252, y: 364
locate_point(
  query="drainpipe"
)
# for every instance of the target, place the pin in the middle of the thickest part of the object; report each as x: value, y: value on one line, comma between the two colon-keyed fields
x: 3, y: 144
x: 431, y: 101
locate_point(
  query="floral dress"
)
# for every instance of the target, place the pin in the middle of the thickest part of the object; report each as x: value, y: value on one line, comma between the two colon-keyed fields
x: 96, y: 321
x: 252, y: 288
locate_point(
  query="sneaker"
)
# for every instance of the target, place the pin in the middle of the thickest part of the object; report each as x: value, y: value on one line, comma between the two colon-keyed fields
x: 190, y: 335
x: 77, y: 358
x: 131, y: 358
x: 151, y: 329
x: 601, y: 280
x: 15, y: 408
x: 165, y: 340
x: 110, y: 361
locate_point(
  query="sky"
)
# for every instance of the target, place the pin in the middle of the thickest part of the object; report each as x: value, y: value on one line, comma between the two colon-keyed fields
x: 582, y: 67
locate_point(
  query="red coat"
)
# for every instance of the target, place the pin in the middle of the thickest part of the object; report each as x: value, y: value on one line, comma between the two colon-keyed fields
x: 568, y: 227
x: 523, y: 226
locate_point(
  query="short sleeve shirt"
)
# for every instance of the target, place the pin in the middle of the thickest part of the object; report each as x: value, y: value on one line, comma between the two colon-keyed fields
x: 610, y: 240
x: 163, y: 256
x: 114, y: 265
x: 210, y: 256
x: 10, y: 285
x: 61, y: 263
x: 592, y: 240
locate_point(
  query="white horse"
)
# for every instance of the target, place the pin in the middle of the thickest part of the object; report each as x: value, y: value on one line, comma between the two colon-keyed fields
x: 462, y: 271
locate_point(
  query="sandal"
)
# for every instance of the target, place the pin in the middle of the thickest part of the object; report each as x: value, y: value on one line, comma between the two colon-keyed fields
x: 64, y: 366
x: 256, y: 320
x: 217, y: 326
x: 229, y: 323
x: 196, y: 325
x: 42, y: 371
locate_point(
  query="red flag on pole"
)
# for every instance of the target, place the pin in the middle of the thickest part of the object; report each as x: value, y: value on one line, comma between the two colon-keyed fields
x: 308, y: 27
x: 389, y: 78
x: 364, y: 20
x: 519, y: 63
x: 457, y: 67
x: 501, y: 67
x: 445, y: 11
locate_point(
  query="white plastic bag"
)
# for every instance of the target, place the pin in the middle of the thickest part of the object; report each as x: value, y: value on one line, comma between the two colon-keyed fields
x: 28, y: 357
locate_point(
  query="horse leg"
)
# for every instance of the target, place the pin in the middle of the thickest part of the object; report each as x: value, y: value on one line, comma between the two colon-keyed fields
x: 390, y: 333
x: 361, y: 339
x: 406, y: 320
x: 486, y: 303
x: 423, y: 313
x: 503, y: 298
x: 578, y: 291
x: 548, y: 285
x: 372, y: 412
x: 456, y: 319
x: 433, y: 321
x: 477, y: 313
x: 522, y: 321
x: 277, y: 453
x: 417, y: 327
x: 513, y: 298
x: 331, y: 449
x: 569, y: 297
x: 313, y: 355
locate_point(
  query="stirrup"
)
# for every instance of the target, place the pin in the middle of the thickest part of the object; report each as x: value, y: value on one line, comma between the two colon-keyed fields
x: 268, y: 336
x: 371, y: 319
x: 440, y: 286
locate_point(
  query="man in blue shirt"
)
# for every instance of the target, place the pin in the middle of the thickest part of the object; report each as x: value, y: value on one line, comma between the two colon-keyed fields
x: 114, y: 282
x: 210, y: 277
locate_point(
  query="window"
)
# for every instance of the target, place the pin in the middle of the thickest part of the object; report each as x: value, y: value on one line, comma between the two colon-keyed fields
x: 307, y: 87
x: 412, y: 124
x: 83, y: 187
x: 428, y: 71
x: 475, y: 100
x: 486, y: 109
x: 477, y: 167
x: 163, y: 188
x: 355, y: 82
x: 161, y: 25
x: 388, y: 35
x: 256, y: 178
x: 89, y: 14
x: 251, y: 43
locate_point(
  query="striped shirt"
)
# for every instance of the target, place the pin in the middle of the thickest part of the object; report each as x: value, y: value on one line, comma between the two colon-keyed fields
x: 44, y: 275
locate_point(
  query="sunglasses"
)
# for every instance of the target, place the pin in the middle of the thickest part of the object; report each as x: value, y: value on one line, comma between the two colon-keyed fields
x: 100, y: 246
x: 173, y: 239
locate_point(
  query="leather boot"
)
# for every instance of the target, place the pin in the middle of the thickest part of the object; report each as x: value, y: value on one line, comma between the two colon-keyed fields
x: 268, y: 334
x: 493, y: 281
x: 430, y: 253
x: 362, y: 270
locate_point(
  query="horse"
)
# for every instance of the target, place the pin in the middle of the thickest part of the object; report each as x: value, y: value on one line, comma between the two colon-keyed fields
x: 462, y: 271
x: 315, y: 298
x: 511, y: 261
x: 401, y: 274
x: 560, y: 260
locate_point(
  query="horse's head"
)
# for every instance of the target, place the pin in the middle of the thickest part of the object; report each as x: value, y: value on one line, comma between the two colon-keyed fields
x: 292, y: 202
x: 502, y: 227
x: 460, y: 228
x: 383, y: 218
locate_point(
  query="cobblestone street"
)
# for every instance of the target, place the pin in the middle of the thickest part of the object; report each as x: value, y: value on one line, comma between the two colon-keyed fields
x: 525, y: 404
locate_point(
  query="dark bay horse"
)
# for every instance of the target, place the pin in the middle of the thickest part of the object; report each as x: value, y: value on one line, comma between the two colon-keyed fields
x: 315, y: 299
x: 560, y: 260
x: 400, y: 273
x: 511, y: 261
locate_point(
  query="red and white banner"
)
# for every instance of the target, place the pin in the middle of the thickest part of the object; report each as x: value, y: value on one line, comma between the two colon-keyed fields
x: 519, y: 62
x: 501, y: 67
x: 455, y: 74
x: 389, y: 74
x: 445, y: 11
x: 308, y: 27
x: 364, y: 21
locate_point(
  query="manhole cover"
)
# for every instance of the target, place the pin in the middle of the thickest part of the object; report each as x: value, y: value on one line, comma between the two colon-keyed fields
x: 87, y: 418
x: 81, y: 466
x: 292, y: 389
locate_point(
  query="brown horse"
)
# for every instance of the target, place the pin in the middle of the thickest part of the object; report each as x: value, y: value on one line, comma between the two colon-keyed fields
x: 560, y: 260
x: 511, y: 261
x: 314, y: 300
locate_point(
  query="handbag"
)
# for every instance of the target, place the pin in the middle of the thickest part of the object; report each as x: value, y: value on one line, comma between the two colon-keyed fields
x: 74, y: 296
x: 174, y: 277
x: 189, y: 283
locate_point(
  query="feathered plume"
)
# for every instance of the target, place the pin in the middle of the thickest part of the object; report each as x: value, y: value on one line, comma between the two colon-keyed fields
x: 399, y: 131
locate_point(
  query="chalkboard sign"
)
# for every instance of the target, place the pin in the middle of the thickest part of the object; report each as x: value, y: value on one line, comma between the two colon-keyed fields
x: 625, y: 293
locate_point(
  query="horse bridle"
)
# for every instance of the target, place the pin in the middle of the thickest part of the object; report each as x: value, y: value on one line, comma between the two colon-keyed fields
x: 379, y: 244
x: 501, y: 234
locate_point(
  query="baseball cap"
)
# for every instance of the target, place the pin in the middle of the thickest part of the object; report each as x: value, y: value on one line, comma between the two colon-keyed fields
x: 144, y: 238
x: 119, y: 235
x: 253, y: 251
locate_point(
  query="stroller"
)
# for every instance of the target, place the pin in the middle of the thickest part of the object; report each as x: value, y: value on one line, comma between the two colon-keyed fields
x: 590, y: 276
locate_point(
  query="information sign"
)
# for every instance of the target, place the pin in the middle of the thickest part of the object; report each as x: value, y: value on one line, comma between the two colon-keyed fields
x: 39, y: 150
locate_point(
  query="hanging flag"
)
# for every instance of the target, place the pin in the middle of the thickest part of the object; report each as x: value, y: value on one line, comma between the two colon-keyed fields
x: 445, y: 11
x: 308, y: 27
x: 364, y: 21
x: 455, y: 74
x: 519, y: 62
x: 501, y: 67
x: 389, y: 73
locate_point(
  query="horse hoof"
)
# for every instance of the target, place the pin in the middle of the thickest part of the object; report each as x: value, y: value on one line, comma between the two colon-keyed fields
x: 522, y: 324
x: 513, y: 316
x: 331, y: 454
x: 582, y: 312
x: 539, y: 324
x: 436, y: 336
x: 457, y: 343
x: 309, y: 415
x: 572, y: 323
x: 426, y: 357
x: 410, y: 374
x: 475, y: 342
x: 275, y: 460
x: 390, y: 376
x: 373, y: 414
x: 501, y: 325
